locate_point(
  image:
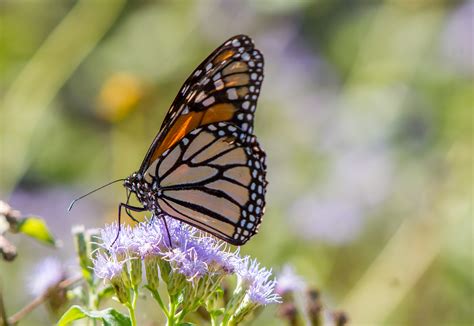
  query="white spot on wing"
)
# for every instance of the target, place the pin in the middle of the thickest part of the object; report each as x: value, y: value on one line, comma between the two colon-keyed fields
x: 232, y: 94
x: 209, y: 101
x: 219, y: 84
x: 201, y: 96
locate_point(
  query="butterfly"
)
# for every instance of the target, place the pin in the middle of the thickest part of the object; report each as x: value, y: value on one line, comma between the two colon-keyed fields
x: 205, y: 166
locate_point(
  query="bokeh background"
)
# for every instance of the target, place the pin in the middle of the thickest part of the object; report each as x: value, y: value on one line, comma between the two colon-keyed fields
x: 365, y: 114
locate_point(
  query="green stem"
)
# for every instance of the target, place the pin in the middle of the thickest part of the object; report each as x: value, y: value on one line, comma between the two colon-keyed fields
x: 213, y: 319
x: 93, y: 300
x: 131, y: 306
x: 172, y: 311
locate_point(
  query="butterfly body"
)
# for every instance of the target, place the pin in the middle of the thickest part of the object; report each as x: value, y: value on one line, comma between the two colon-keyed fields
x: 205, y: 166
x: 147, y: 193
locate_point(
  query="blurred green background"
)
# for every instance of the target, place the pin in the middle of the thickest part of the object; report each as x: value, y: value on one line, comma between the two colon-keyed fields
x: 365, y: 115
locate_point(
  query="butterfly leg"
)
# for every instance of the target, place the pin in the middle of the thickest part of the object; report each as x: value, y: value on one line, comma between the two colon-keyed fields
x: 127, y: 207
x: 130, y: 215
x: 167, y: 230
x: 127, y: 210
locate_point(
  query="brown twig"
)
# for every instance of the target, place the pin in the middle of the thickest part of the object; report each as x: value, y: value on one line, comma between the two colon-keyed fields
x: 40, y: 299
x: 3, y: 313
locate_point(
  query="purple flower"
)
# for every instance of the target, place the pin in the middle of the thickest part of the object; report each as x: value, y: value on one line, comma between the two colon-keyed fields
x: 179, y: 232
x: 289, y: 281
x: 215, y: 255
x: 47, y: 274
x: 148, y: 238
x: 187, y: 263
x: 456, y: 39
x: 192, y: 255
x: 107, y: 267
x: 261, y: 289
x: 112, y: 243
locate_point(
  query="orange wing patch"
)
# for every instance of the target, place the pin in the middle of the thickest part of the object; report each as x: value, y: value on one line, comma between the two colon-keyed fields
x: 224, y: 56
x: 234, y: 67
x: 218, y: 112
x: 188, y: 122
x: 183, y: 125
x: 236, y: 80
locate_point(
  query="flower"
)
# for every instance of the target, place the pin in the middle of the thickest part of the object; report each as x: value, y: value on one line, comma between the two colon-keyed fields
x: 46, y: 275
x: 191, y: 254
x: 107, y: 267
x: 187, y: 263
x: 190, y: 263
x: 289, y: 281
x: 456, y: 39
x: 149, y: 239
x: 254, y: 289
x: 262, y: 291
x: 260, y: 288
x: 114, y: 240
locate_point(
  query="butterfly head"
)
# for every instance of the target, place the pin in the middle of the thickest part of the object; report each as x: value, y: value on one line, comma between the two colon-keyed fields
x: 142, y: 189
x: 133, y: 182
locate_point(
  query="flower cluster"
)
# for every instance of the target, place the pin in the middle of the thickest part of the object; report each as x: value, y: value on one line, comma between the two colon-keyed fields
x: 190, y: 264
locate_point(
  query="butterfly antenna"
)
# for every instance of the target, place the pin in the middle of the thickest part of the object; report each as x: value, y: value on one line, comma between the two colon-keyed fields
x: 91, y: 192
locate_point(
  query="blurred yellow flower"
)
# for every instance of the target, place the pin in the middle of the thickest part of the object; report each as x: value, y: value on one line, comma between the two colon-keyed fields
x: 119, y: 96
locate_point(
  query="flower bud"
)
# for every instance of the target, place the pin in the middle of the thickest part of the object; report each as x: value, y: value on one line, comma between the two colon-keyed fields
x: 152, y: 272
x: 135, y: 271
x: 121, y: 290
x: 82, y: 252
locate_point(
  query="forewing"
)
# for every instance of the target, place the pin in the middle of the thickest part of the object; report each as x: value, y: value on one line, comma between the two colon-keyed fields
x: 224, y: 87
x: 213, y: 181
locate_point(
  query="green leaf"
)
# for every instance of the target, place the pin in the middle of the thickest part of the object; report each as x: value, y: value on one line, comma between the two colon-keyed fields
x: 36, y: 228
x: 72, y: 314
x: 110, y: 317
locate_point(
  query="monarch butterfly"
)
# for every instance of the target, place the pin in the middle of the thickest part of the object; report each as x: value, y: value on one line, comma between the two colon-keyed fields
x: 205, y: 167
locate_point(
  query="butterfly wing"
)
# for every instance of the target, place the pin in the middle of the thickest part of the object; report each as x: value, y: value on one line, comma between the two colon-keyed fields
x: 224, y: 87
x: 214, y: 181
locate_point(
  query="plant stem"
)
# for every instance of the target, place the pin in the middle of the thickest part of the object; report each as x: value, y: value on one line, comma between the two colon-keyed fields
x: 132, y: 306
x: 171, y: 314
x: 213, y: 319
x: 173, y: 317
x: 39, y: 300
x: 3, y: 313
